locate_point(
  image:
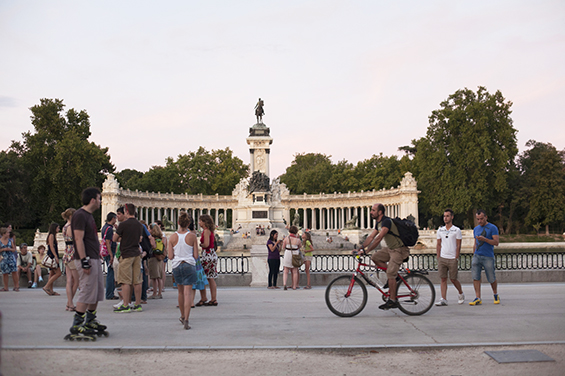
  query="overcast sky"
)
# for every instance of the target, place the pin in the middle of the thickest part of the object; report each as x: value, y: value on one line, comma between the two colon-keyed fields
x: 345, y: 78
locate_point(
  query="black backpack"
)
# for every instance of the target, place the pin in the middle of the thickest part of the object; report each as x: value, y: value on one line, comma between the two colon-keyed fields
x: 407, y: 230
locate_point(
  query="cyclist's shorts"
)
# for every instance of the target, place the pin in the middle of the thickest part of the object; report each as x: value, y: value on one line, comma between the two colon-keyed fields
x: 394, y: 257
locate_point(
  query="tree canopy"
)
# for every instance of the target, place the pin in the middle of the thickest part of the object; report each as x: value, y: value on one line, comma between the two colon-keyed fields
x: 542, y: 184
x: 59, y: 160
x: 463, y: 162
x: 314, y: 173
x: 201, y: 171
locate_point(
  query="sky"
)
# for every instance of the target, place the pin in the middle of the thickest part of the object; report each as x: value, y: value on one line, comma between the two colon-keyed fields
x: 346, y: 79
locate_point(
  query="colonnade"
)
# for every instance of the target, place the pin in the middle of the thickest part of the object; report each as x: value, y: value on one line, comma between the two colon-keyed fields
x: 152, y: 214
x: 333, y: 218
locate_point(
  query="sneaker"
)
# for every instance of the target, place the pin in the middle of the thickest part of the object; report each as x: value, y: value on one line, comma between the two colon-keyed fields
x: 386, y: 284
x: 441, y: 302
x: 461, y: 299
x: 496, y: 299
x: 34, y: 286
x: 29, y: 284
x: 477, y: 301
x: 136, y: 308
x: 116, y: 306
x: 123, y: 308
x: 389, y: 304
x: 40, y: 279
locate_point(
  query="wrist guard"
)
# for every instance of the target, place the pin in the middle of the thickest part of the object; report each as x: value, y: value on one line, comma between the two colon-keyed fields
x: 85, y: 263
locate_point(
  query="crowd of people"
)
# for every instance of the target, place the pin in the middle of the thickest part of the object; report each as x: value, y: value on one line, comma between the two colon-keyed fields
x: 136, y: 253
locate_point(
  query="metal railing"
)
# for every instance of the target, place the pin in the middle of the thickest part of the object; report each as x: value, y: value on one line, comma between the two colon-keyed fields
x: 347, y: 263
x: 503, y: 261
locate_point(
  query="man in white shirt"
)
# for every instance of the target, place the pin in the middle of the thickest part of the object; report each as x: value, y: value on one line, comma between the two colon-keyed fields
x: 448, y: 250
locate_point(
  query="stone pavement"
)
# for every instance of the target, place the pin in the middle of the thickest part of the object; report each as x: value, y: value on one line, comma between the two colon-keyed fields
x: 275, y: 319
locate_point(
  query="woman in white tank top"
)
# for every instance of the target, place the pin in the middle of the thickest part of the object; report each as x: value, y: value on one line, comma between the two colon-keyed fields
x: 182, y: 250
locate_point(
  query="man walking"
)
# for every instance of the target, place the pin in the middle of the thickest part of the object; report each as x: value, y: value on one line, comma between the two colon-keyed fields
x: 129, y: 271
x: 486, y: 237
x: 448, y: 249
x: 394, y: 254
x: 87, y: 261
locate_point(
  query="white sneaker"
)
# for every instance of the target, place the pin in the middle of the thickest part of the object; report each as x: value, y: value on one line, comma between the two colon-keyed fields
x: 441, y: 302
x: 116, y: 306
x: 461, y: 299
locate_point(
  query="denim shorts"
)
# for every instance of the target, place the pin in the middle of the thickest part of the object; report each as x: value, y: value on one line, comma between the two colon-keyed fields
x: 185, y: 274
x: 483, y: 262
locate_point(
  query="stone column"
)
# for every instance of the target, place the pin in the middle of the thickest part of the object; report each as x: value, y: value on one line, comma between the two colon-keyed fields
x: 259, y: 266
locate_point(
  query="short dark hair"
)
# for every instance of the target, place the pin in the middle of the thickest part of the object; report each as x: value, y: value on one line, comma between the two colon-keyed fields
x: 449, y: 211
x: 130, y: 208
x: 110, y: 216
x: 481, y: 211
x: 120, y: 210
x: 293, y: 230
x: 88, y: 194
x: 381, y: 208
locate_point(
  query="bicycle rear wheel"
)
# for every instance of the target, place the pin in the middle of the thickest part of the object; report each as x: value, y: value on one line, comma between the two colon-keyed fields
x: 340, y: 302
x: 419, y: 299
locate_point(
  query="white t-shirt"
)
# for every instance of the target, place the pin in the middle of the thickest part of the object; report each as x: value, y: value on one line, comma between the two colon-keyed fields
x: 449, y: 241
x: 27, y: 259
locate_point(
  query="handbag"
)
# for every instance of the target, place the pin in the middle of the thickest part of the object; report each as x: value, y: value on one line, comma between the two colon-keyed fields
x: 49, y: 262
x: 103, y: 248
x: 297, y: 260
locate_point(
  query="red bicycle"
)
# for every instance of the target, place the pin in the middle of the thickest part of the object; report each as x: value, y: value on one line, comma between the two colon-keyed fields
x: 346, y: 296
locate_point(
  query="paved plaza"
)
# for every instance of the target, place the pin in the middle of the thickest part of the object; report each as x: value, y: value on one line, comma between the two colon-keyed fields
x: 292, y: 332
x: 262, y: 318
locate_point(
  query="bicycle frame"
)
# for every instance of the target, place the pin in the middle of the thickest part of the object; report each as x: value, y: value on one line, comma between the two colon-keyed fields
x: 386, y: 294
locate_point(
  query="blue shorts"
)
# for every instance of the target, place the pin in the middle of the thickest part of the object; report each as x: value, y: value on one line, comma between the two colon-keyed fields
x: 185, y: 274
x: 483, y: 262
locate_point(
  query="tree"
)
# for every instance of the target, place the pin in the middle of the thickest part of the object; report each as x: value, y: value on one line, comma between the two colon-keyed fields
x: 310, y: 173
x: 543, y: 184
x: 59, y: 159
x: 464, y: 159
x: 14, y: 192
x: 196, y: 172
x: 380, y: 172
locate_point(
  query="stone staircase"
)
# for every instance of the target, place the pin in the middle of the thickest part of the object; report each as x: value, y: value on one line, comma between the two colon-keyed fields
x: 237, y: 242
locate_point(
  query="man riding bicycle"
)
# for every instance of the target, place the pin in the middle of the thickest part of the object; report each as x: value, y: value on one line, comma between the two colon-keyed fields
x: 394, y: 253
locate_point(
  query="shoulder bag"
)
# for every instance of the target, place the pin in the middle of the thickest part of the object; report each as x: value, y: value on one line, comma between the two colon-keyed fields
x: 103, y: 248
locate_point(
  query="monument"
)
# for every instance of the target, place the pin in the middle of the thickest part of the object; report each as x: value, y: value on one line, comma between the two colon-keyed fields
x: 259, y: 202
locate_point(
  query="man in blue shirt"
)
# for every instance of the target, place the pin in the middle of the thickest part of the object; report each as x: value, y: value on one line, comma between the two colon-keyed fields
x: 486, y: 237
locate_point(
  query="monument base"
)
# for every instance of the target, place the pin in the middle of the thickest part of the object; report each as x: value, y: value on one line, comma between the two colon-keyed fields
x: 353, y: 235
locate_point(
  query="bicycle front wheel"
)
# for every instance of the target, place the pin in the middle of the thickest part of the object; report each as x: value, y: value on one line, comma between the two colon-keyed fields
x: 419, y: 298
x: 342, y: 300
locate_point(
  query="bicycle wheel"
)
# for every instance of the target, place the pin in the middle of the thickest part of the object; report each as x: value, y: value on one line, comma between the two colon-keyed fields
x: 343, y: 304
x: 420, y: 299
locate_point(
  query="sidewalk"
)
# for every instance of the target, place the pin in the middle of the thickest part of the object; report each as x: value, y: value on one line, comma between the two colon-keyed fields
x: 259, y: 318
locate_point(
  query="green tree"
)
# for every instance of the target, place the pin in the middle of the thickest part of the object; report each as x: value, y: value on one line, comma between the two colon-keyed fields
x: 310, y: 173
x: 129, y: 178
x: 197, y: 172
x: 15, y: 207
x: 380, y: 172
x: 464, y: 160
x: 543, y: 184
x: 59, y: 159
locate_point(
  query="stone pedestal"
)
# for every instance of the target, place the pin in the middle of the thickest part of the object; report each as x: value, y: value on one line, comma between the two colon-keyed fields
x: 354, y: 235
x: 259, y: 266
x: 225, y: 236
